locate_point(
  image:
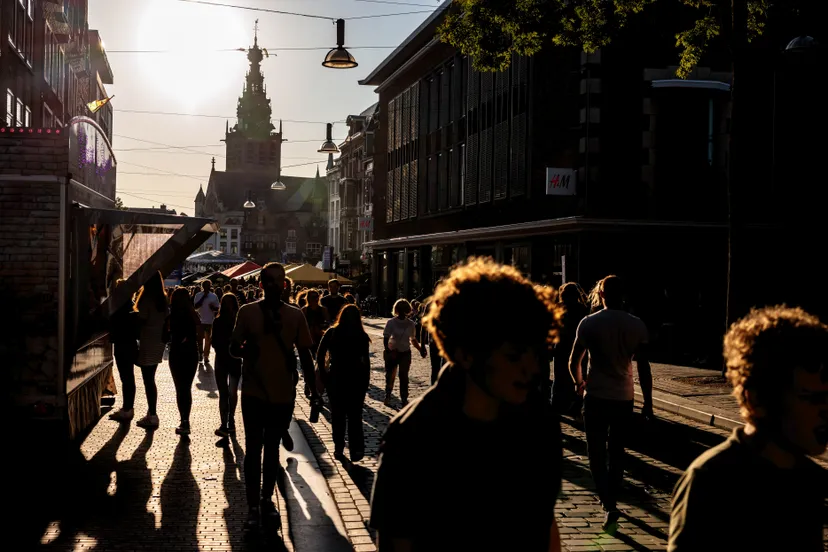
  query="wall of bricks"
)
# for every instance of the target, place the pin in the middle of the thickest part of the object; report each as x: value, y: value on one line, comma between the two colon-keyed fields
x: 29, y: 238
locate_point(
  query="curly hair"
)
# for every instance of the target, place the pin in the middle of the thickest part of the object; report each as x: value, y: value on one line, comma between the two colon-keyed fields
x: 482, y: 304
x: 762, y: 350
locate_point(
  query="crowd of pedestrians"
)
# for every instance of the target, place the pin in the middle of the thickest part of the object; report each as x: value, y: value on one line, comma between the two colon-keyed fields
x: 492, y: 335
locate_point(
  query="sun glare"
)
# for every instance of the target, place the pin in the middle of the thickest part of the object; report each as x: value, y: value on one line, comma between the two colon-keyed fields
x: 196, y: 72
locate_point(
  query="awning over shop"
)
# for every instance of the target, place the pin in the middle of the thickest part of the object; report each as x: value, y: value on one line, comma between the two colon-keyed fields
x: 240, y: 269
x: 309, y: 274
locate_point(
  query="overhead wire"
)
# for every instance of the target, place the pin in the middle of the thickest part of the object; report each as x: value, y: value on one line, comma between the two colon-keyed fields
x: 298, y: 14
x: 274, y: 49
x: 397, y: 3
x: 151, y: 200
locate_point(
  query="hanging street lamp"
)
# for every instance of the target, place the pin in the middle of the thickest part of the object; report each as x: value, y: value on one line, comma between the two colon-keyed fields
x: 339, y: 57
x: 249, y: 203
x: 278, y: 186
x: 328, y: 145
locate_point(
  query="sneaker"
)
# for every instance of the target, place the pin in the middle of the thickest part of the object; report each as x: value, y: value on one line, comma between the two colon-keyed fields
x: 223, y: 432
x: 387, y: 401
x: 148, y: 422
x: 123, y: 415
x: 183, y: 429
x: 287, y: 442
x: 252, y: 520
x: 610, y: 525
x: 357, y: 456
x: 339, y: 454
x: 404, y: 402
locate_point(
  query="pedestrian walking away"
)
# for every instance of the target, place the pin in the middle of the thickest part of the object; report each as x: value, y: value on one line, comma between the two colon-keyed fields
x: 123, y: 332
x: 398, y: 337
x: 347, y: 378
x: 475, y: 463
x: 207, y: 304
x: 612, y: 338
x: 318, y: 320
x: 151, y: 310
x: 182, y: 333
x: 228, y: 369
x: 761, y: 480
x: 265, y: 334
x: 564, y: 398
x: 433, y: 349
x: 333, y: 301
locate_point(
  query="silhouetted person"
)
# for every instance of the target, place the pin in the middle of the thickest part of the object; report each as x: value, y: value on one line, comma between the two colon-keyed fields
x: 758, y: 490
x: 473, y: 464
x: 398, y: 336
x: 265, y: 334
x: 151, y: 309
x: 123, y: 332
x: 612, y: 337
x: 348, y: 375
x: 228, y: 369
x: 433, y: 349
x: 574, y: 310
x: 207, y: 304
x: 334, y: 301
x: 238, y: 292
x: 183, y: 333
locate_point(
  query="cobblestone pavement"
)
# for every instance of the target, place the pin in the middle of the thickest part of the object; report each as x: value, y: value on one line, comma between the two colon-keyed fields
x: 658, y: 452
x: 131, y: 489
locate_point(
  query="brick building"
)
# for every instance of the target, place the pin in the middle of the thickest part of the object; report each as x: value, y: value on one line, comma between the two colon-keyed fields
x: 350, y: 182
x: 285, y: 225
x: 573, y: 166
x: 51, y: 65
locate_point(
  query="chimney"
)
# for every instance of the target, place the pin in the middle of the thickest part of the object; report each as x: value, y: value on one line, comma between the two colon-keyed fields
x: 163, y: 207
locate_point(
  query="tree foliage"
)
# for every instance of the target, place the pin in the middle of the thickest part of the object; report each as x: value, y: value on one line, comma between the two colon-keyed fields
x: 490, y: 31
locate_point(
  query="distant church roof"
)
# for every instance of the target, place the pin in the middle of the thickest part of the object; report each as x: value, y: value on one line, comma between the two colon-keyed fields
x: 231, y: 190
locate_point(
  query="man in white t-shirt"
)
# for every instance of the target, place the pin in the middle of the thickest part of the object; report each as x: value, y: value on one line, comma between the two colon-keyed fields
x: 612, y: 337
x: 207, y: 305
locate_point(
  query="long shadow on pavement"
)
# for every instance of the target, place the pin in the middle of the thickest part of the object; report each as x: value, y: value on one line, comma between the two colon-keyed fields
x: 207, y: 380
x: 180, y: 501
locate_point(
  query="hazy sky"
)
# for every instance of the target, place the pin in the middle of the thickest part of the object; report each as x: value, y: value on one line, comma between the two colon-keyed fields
x: 202, y: 80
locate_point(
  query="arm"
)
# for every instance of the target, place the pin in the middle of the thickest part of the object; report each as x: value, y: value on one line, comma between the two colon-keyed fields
x: 575, y: 358
x: 554, y: 537
x: 323, y: 350
x: 304, y: 342
x: 645, y: 379
x: 239, y: 336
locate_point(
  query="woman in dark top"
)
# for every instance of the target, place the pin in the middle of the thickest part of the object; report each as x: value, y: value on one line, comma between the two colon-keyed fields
x: 182, y: 328
x: 228, y: 369
x: 123, y: 331
x: 347, y: 378
x: 575, y: 309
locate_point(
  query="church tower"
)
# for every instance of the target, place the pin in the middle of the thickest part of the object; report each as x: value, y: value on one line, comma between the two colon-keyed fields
x: 253, y: 145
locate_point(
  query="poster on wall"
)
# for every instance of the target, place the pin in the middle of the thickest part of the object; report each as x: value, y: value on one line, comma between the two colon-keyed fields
x: 561, y: 182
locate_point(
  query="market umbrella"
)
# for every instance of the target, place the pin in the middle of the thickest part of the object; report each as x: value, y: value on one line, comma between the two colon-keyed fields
x: 309, y: 274
x: 241, y: 269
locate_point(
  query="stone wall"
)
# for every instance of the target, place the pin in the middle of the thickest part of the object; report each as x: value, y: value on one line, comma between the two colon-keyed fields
x: 29, y: 239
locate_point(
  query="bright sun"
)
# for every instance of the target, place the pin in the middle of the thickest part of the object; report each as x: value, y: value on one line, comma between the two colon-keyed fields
x: 197, y: 71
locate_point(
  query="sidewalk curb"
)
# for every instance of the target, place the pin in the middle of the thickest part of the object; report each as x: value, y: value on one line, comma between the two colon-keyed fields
x: 707, y: 418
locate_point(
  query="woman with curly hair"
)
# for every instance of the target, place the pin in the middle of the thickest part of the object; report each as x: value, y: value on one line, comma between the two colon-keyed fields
x: 496, y: 444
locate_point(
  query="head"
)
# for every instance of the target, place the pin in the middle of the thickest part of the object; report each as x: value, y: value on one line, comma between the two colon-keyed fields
x: 350, y: 299
x: 777, y: 362
x: 228, y: 289
x: 492, y: 322
x: 610, y: 292
x: 229, y: 306
x: 302, y: 298
x: 152, y: 294
x: 402, y: 308
x: 349, y: 320
x: 287, y: 293
x: 333, y: 286
x: 181, y: 302
x: 234, y: 285
x: 273, y: 280
x: 570, y: 294
x: 312, y: 296
x: 206, y: 286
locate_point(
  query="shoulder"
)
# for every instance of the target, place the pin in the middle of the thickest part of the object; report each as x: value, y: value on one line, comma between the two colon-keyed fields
x: 249, y: 308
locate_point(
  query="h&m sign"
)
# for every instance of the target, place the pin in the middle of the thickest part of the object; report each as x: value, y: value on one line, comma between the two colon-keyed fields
x: 366, y: 223
x: 563, y: 182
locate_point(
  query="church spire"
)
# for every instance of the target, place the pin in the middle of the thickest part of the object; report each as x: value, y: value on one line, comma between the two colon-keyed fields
x: 254, y: 109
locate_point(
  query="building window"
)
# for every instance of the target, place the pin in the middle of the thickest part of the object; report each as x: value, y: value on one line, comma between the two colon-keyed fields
x: 48, y: 117
x: 261, y: 219
x: 290, y: 247
x: 234, y: 234
x: 21, y: 29
x: 314, y: 249
x: 53, y: 63
x: 223, y: 233
x: 292, y: 234
x: 223, y: 246
x: 10, y: 103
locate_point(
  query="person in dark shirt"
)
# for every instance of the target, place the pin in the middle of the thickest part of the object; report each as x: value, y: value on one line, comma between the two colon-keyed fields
x: 333, y: 302
x: 182, y: 326
x: 758, y: 490
x: 473, y: 464
x: 238, y: 292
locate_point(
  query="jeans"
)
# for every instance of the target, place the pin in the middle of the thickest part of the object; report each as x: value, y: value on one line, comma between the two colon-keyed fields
x: 264, y: 425
x: 228, y: 373
x: 403, y: 362
x: 436, y: 361
x: 606, y: 423
x: 348, y: 410
x: 183, y: 365
x: 125, y: 360
x: 563, y: 388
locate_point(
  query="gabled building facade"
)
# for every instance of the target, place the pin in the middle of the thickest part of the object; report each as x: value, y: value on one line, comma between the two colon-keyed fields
x: 288, y: 225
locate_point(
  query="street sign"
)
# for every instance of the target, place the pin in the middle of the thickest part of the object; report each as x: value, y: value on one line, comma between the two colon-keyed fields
x: 562, y: 182
x: 366, y: 223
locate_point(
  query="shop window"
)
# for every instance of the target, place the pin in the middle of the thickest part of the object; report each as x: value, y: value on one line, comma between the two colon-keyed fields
x: 234, y: 234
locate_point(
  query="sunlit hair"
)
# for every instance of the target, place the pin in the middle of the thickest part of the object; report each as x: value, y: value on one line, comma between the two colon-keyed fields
x: 612, y: 289
x: 763, y: 349
x: 349, y: 322
x: 152, y: 294
x: 229, y: 306
x: 571, y: 294
x: 302, y: 298
x: 401, y: 307
x: 333, y: 281
x: 311, y: 293
x: 350, y: 299
x: 287, y: 293
x: 181, y: 305
x: 482, y: 305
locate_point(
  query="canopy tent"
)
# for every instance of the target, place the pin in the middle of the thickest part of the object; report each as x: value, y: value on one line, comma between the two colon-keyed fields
x: 215, y: 258
x: 309, y: 274
x: 217, y: 278
x: 241, y: 269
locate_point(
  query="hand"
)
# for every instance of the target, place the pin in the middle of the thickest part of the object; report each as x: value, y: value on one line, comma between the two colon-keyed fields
x: 580, y: 389
x: 647, y: 412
